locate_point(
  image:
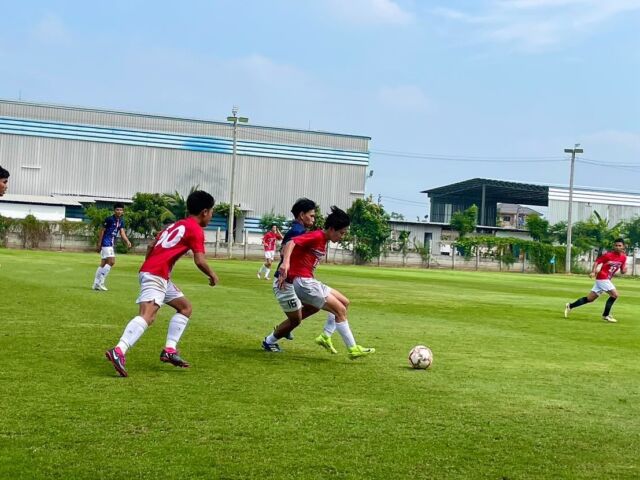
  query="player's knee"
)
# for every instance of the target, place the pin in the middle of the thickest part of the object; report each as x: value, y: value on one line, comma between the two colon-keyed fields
x: 186, y: 310
x: 341, y: 312
x: 613, y: 295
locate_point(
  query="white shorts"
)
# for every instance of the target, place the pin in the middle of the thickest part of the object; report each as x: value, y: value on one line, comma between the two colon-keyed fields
x: 602, y: 286
x: 311, y: 291
x: 269, y: 254
x: 107, y: 252
x: 286, y: 296
x: 157, y: 289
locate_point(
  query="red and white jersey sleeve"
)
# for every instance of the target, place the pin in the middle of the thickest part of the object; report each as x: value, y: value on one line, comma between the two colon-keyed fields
x: 310, y: 249
x: 172, y: 243
x: 611, y: 263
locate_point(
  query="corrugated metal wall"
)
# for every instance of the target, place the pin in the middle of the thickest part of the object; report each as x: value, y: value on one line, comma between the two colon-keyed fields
x: 45, y: 166
x: 559, y: 211
x: 86, y: 116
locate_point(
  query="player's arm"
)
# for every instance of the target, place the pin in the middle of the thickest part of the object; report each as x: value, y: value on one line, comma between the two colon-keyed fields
x: 123, y: 234
x: 286, y: 262
x: 100, y: 236
x: 201, y: 262
x: 623, y: 268
x: 597, y: 266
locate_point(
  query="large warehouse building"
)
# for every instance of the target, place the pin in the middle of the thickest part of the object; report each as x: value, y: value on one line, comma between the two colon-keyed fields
x: 62, y: 158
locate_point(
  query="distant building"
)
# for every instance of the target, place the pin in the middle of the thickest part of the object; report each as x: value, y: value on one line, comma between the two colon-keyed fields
x: 513, y: 215
x: 62, y: 158
x: 487, y: 194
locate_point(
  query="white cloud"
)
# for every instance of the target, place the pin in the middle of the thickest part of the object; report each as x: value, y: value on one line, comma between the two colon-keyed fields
x: 371, y: 12
x: 537, y: 25
x: 403, y: 97
x: 50, y: 29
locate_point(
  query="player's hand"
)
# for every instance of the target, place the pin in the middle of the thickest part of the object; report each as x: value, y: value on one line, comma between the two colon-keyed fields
x: 213, y: 280
x: 591, y: 274
x: 98, y: 249
x: 282, y: 276
x: 128, y: 244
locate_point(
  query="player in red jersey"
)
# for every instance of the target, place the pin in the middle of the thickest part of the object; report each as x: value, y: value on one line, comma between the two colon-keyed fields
x: 269, y: 243
x: 156, y: 287
x: 604, y: 268
x: 299, y: 260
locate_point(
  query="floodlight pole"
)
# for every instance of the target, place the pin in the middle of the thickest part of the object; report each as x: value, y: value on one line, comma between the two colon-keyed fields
x: 572, y: 151
x: 234, y: 119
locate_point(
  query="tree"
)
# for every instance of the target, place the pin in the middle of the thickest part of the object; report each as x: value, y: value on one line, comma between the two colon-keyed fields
x: 148, y: 214
x: 96, y: 217
x: 465, y: 222
x: 632, y: 231
x: 271, y: 218
x: 538, y: 228
x: 370, y: 226
x: 177, y: 204
x: 318, y: 224
x: 558, y: 232
x: 222, y: 209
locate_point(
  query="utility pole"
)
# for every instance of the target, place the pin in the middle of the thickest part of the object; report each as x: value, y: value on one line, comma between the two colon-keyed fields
x: 234, y: 119
x: 572, y: 151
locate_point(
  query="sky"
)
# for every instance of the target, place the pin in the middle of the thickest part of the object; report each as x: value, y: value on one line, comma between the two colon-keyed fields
x: 447, y: 90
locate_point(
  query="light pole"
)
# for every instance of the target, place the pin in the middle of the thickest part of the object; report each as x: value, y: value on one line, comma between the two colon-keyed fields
x: 572, y: 151
x: 234, y: 119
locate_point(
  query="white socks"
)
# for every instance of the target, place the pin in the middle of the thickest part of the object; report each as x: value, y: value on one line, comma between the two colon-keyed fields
x: 132, y: 333
x: 101, y: 274
x: 177, y: 326
x: 345, y: 333
x: 330, y: 325
x: 271, y: 338
x: 266, y: 272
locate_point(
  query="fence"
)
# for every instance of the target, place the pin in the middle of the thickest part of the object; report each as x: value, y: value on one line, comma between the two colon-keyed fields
x: 335, y: 254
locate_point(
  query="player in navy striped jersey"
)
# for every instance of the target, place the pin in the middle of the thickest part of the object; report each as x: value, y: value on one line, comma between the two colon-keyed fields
x: 112, y: 227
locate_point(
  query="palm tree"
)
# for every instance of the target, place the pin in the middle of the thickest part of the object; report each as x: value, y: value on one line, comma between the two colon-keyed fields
x: 178, y: 204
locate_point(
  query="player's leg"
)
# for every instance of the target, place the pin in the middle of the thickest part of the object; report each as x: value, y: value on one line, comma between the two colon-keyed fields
x: 593, y: 295
x: 606, y: 314
x: 313, y: 292
x: 152, y: 294
x: 286, y: 327
x: 292, y: 307
x: 267, y: 264
x: 177, y: 326
x: 107, y: 262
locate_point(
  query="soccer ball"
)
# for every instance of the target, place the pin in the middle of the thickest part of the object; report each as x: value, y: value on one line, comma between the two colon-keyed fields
x: 420, y: 357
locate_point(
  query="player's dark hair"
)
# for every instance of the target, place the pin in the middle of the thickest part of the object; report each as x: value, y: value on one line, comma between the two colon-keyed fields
x: 338, y: 219
x: 198, y: 201
x: 272, y: 225
x: 619, y: 240
x: 4, y: 173
x: 118, y: 205
x: 302, y: 205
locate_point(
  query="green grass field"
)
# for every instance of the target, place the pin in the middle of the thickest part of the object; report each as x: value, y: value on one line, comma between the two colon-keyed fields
x: 516, y: 391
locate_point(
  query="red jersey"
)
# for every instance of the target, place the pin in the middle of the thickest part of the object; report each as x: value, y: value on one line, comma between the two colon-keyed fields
x: 310, y: 248
x: 611, y: 263
x: 269, y: 241
x: 171, y: 243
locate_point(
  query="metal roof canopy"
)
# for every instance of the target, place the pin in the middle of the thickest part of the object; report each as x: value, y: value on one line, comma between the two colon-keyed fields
x: 484, y: 192
x: 504, y: 192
